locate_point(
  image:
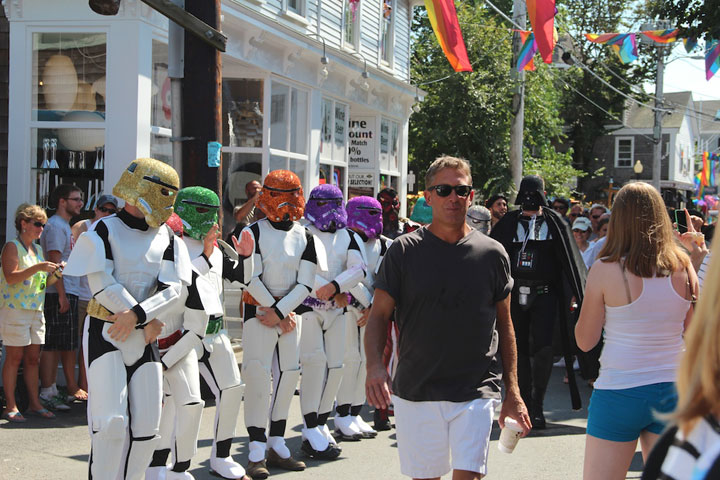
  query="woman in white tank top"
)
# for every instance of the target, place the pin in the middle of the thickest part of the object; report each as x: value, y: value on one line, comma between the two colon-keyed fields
x: 638, y: 298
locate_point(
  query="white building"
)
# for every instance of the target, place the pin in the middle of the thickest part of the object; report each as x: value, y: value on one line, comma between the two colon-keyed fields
x: 89, y: 93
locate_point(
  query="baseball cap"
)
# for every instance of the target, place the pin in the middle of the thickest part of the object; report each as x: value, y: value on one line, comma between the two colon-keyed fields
x: 103, y: 199
x: 582, y: 223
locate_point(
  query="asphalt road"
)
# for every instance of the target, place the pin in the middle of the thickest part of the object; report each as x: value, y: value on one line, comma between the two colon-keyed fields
x: 42, y: 449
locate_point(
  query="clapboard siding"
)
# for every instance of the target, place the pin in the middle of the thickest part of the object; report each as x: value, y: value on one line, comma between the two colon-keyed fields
x: 4, y: 94
x: 331, y: 12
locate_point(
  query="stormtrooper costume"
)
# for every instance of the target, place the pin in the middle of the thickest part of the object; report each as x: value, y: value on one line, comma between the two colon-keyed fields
x: 132, y: 264
x: 478, y: 217
x: 285, y: 262
x: 364, y: 218
x: 322, y: 344
x: 192, y: 333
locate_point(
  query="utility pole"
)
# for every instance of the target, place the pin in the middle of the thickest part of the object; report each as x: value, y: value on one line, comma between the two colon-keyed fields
x: 659, y: 109
x: 517, y: 124
x: 202, y: 102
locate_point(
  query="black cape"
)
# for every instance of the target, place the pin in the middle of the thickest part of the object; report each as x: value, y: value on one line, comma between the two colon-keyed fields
x: 574, y: 275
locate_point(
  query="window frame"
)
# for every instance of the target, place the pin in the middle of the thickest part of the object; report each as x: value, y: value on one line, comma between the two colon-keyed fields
x: 287, y: 154
x: 390, y: 60
x: 617, y: 152
x: 355, y: 45
x: 331, y: 161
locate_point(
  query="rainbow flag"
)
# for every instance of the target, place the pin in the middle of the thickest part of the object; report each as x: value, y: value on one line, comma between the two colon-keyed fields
x: 527, y: 52
x: 542, y: 19
x: 623, y: 44
x: 706, y: 172
x: 712, y: 58
x: 444, y: 21
x: 662, y: 36
x: 690, y: 44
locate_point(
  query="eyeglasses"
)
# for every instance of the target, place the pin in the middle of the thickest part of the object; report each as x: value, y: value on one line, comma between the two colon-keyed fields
x: 39, y: 224
x: 445, y: 190
x: 75, y: 199
x: 107, y: 210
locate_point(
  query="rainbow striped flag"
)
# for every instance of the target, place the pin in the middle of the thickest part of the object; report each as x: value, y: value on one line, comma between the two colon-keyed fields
x: 444, y: 21
x: 527, y: 52
x: 542, y: 19
x: 623, y: 44
x: 712, y: 58
x: 662, y: 36
x: 690, y: 44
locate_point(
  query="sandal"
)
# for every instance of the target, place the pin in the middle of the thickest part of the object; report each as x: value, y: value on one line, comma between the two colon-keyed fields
x: 43, y: 413
x: 14, y: 417
x: 79, y: 396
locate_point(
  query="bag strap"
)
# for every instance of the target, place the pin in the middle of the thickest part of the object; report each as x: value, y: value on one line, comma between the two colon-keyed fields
x: 653, y: 465
x: 627, y: 284
x: 690, y: 288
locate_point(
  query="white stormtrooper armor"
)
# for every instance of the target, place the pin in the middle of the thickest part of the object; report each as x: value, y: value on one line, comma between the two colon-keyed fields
x: 187, y: 344
x: 129, y: 265
x: 322, y: 343
x: 285, y: 262
x: 351, y: 394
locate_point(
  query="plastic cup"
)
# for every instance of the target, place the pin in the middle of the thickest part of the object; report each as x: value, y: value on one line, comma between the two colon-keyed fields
x: 509, y: 435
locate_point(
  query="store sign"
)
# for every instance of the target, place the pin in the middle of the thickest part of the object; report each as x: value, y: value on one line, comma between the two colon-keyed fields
x: 362, y: 153
x: 361, y: 184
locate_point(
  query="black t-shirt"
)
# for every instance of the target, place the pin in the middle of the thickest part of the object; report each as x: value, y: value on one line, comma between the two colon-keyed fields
x: 445, y: 297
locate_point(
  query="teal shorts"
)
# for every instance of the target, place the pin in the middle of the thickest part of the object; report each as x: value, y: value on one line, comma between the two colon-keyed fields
x: 621, y: 415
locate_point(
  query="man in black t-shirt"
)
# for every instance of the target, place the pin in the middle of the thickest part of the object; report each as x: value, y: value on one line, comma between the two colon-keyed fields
x: 452, y: 324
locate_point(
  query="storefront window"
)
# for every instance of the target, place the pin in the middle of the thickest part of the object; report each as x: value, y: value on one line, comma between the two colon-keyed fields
x: 288, y: 129
x: 333, y: 144
x: 161, y: 111
x: 68, y: 113
x: 389, y: 145
x: 243, y: 127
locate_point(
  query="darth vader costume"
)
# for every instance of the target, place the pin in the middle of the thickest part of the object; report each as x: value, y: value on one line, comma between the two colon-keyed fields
x: 549, y: 273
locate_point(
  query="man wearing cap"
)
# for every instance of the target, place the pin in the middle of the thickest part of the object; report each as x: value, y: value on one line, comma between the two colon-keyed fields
x: 497, y: 204
x: 581, y: 229
x: 548, y: 271
x: 106, y: 205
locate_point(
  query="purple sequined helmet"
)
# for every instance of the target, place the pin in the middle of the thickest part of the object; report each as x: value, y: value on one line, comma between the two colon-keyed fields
x: 365, y: 214
x: 326, y: 208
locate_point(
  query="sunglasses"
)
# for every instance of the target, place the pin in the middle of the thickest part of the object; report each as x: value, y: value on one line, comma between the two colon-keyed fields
x: 39, y: 224
x: 107, y: 210
x: 445, y: 190
x: 574, y: 215
x: 577, y: 230
x: 596, y: 216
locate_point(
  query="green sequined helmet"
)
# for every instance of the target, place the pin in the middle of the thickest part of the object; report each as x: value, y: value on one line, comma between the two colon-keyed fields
x: 197, y: 207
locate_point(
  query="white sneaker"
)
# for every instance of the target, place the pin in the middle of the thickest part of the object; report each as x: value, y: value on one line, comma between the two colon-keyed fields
x: 366, y: 430
x: 155, y: 473
x: 317, y: 439
x: 227, y: 467
x: 328, y: 435
x: 347, y: 429
x: 170, y: 475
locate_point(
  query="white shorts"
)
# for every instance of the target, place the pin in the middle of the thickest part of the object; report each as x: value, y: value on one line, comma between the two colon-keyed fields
x: 20, y: 327
x: 428, y: 432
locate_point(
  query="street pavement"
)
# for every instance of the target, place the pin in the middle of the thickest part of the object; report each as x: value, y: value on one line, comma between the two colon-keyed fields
x: 43, y: 449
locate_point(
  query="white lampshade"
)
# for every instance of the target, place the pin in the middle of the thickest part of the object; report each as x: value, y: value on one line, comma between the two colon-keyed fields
x: 60, y: 83
x: 82, y: 139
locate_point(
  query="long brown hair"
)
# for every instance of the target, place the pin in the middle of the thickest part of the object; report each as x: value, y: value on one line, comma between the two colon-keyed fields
x: 640, y: 231
x: 697, y: 380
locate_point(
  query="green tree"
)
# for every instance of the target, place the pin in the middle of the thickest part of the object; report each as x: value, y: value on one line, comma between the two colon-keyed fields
x: 468, y: 114
x: 694, y: 18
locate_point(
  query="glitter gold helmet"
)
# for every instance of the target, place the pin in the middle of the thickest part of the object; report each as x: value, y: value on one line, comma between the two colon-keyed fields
x: 151, y: 186
x: 281, y: 198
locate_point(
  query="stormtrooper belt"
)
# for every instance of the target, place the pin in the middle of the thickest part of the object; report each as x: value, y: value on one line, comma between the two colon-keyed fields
x: 215, y: 324
x: 170, y: 340
x: 95, y: 309
x: 250, y: 300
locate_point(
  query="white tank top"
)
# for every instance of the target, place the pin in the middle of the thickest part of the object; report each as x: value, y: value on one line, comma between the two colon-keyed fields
x: 643, y: 339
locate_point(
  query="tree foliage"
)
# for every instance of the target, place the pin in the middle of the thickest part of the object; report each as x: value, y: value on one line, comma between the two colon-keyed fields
x: 694, y: 18
x: 469, y: 114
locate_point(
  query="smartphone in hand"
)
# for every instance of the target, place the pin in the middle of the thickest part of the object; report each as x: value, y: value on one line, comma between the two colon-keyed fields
x: 681, y: 220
